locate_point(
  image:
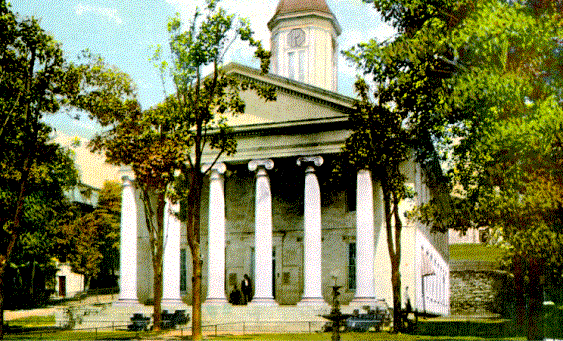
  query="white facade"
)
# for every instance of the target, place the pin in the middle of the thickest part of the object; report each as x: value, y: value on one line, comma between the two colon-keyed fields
x: 272, y: 211
x: 67, y: 283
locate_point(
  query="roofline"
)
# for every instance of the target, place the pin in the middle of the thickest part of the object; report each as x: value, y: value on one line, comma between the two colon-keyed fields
x: 260, y: 127
x: 336, y: 99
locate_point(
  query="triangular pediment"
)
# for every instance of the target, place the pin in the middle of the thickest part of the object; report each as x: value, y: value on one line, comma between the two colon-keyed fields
x: 296, y: 101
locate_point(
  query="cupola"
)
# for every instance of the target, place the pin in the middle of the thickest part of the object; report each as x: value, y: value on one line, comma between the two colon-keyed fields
x: 304, y: 42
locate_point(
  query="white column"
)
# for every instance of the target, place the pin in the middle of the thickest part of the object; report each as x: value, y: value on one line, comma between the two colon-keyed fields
x: 312, y: 229
x: 216, y: 237
x: 128, y: 242
x: 171, y: 262
x: 263, y: 292
x: 365, y: 240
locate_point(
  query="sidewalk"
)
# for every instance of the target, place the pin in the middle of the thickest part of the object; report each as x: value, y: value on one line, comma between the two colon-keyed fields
x: 10, y: 315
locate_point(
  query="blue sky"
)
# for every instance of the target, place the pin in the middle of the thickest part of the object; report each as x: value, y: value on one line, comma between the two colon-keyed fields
x: 125, y: 32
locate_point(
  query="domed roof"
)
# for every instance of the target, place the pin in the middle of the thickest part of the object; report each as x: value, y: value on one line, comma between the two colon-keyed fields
x: 295, y: 6
x: 289, y: 8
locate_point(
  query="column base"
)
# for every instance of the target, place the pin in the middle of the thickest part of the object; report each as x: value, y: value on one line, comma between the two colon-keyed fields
x: 309, y: 301
x: 263, y: 301
x: 172, y: 302
x: 363, y: 301
x: 126, y: 302
x: 216, y: 301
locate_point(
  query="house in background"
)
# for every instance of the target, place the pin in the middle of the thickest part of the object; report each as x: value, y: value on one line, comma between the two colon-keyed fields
x: 471, y: 236
x: 68, y: 283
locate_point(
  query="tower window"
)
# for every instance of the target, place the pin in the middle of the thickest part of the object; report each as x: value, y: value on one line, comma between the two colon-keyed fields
x: 301, y: 65
x: 296, y: 65
x: 291, y: 65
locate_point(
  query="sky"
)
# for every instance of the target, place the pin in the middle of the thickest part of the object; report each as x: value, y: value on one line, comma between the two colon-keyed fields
x: 125, y: 33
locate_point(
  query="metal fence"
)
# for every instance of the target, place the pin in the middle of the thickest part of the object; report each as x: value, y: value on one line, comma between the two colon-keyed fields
x: 218, y: 329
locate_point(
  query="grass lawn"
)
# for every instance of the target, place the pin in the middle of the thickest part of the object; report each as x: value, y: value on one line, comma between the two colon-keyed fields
x: 351, y: 337
x: 33, y: 321
x: 81, y: 335
x: 475, y: 252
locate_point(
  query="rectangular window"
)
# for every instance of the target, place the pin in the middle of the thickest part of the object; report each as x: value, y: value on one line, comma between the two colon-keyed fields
x: 183, y: 274
x: 291, y: 65
x: 352, y: 266
x: 302, y: 65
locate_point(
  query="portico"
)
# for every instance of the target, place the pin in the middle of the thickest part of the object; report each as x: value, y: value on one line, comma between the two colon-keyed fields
x: 273, y: 210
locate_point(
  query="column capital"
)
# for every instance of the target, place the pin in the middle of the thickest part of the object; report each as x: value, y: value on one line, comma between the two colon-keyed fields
x: 219, y: 167
x: 315, y: 160
x: 266, y: 163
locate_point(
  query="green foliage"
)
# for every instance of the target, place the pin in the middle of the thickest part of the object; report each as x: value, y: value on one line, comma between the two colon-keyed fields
x: 479, y: 252
x: 35, y: 80
x: 90, y: 240
x: 31, y: 268
x: 479, y: 81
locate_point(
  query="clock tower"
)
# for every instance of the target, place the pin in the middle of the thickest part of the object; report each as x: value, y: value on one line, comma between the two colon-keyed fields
x: 304, y: 42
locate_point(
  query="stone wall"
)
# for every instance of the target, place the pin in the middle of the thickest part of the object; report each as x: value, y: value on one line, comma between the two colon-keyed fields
x: 479, y: 289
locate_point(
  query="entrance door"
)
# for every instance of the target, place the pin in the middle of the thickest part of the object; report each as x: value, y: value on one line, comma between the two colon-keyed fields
x: 274, y: 271
x: 62, y: 286
x: 252, y: 269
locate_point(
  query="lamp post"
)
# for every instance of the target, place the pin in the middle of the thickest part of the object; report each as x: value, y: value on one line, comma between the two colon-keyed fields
x: 336, y: 314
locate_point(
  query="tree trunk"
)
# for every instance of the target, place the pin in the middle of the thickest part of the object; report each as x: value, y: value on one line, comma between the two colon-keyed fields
x: 157, y: 259
x: 393, y: 246
x: 196, y: 298
x: 395, y: 265
x: 157, y: 290
x: 520, y: 301
x: 1, y: 307
x: 535, y: 300
x: 193, y: 234
x: 396, y: 283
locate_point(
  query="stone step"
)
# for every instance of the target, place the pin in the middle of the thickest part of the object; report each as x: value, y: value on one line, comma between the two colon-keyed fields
x: 220, y: 317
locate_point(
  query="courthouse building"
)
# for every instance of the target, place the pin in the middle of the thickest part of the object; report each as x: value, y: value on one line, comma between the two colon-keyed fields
x: 275, y: 212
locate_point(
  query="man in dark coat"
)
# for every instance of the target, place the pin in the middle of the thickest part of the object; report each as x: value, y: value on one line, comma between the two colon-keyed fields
x: 246, y: 288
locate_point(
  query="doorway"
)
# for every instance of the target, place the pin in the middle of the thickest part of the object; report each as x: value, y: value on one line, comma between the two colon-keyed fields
x: 274, y: 271
x: 62, y: 286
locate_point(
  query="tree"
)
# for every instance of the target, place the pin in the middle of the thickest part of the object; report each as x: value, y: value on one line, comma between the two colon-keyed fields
x: 144, y: 141
x: 509, y: 157
x: 380, y: 143
x: 202, y: 105
x: 35, y: 80
x: 89, y: 241
x: 479, y: 83
x: 30, y: 270
x: 172, y: 136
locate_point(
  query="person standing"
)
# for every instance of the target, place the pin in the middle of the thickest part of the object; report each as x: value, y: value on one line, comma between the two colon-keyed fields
x: 246, y: 287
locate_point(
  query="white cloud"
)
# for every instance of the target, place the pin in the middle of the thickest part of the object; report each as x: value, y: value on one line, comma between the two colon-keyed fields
x: 109, y: 13
x: 360, y: 22
x: 258, y: 13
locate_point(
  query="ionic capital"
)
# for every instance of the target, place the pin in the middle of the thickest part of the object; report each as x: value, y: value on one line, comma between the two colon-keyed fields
x: 315, y: 160
x: 268, y: 164
x: 219, y: 168
x: 127, y: 180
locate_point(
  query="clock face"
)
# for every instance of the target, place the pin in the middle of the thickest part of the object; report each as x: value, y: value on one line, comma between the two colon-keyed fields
x: 296, y: 37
